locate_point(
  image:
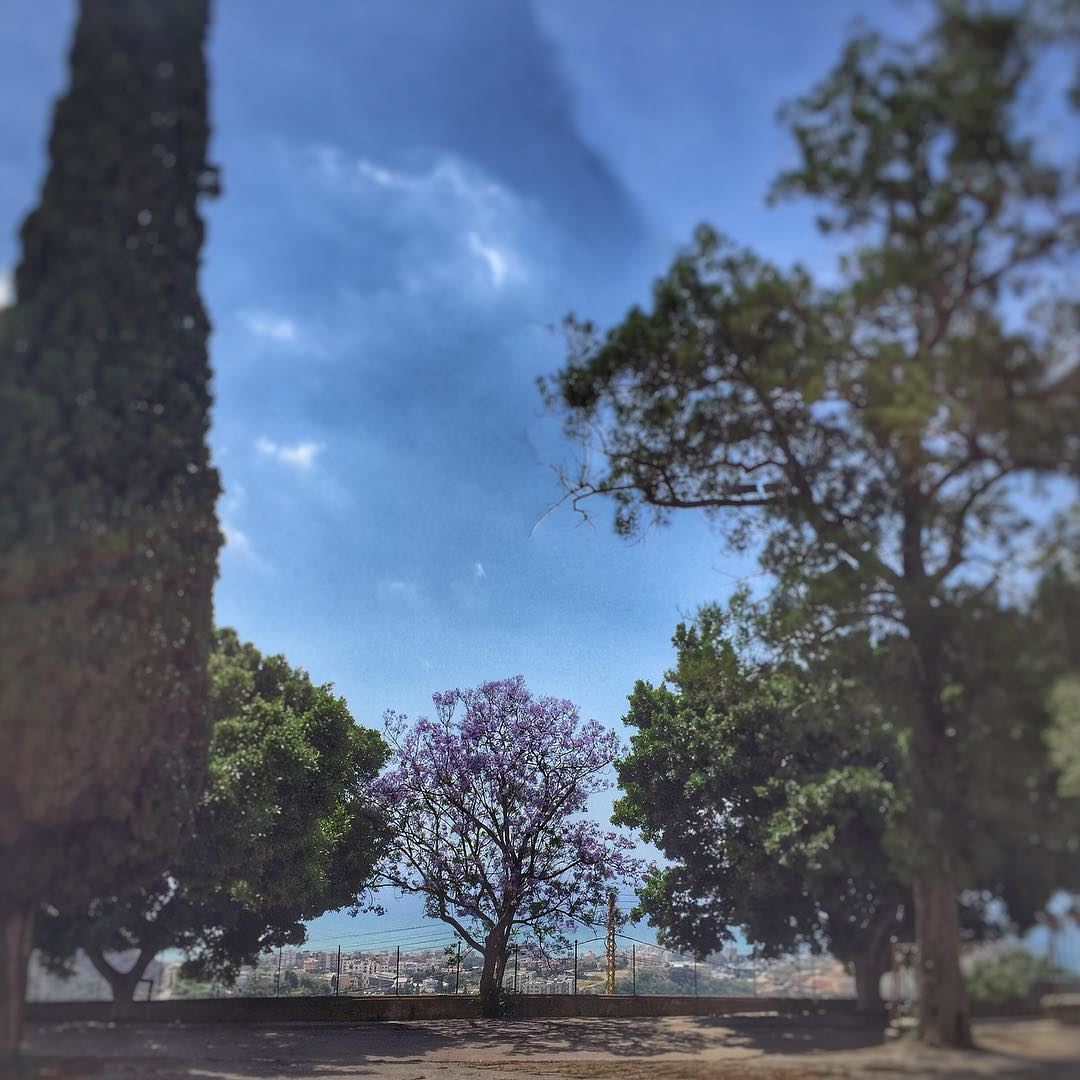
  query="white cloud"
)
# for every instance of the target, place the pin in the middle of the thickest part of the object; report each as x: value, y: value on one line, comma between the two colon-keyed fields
x: 458, y: 226
x: 265, y: 324
x: 335, y: 167
x: 7, y: 290
x: 479, y: 572
x: 447, y: 179
x: 301, y: 454
x: 496, y: 261
x: 383, y: 177
x: 235, y: 540
x: 400, y: 593
x: 238, y: 546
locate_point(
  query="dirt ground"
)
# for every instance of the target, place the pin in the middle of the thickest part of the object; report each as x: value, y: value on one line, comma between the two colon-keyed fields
x: 668, y: 1048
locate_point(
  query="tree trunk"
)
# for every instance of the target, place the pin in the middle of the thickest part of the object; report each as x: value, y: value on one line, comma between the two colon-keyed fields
x: 122, y: 983
x: 491, y: 976
x: 869, y: 968
x: 874, y: 961
x: 16, y: 934
x: 944, y: 1011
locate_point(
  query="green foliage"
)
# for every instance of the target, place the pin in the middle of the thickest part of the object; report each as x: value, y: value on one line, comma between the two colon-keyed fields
x: 301, y: 984
x: 1007, y: 975
x: 775, y: 787
x: 107, y: 493
x: 285, y: 829
x: 772, y: 790
x: 1057, y: 608
x: 675, y: 980
x: 1064, y: 736
x: 870, y: 433
x: 869, y: 438
x: 1017, y: 832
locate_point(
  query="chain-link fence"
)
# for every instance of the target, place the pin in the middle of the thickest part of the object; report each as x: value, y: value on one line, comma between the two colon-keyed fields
x: 428, y: 960
x: 647, y: 969
x: 448, y: 966
x: 451, y: 967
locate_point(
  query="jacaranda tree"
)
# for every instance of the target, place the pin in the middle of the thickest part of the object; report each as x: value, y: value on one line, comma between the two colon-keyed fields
x: 108, y: 538
x: 484, y: 805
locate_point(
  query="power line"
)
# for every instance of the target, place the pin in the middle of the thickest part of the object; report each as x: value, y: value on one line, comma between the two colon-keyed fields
x: 432, y: 941
x: 390, y: 937
x: 381, y: 933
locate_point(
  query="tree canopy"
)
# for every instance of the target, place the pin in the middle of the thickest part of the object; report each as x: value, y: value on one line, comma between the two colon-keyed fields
x: 1057, y: 605
x: 774, y: 786
x: 484, y: 805
x: 872, y: 437
x: 773, y: 792
x: 107, y: 492
x: 287, y: 829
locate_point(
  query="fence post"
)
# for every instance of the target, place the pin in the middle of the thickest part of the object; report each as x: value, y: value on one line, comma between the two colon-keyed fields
x: 337, y: 985
x: 457, y: 977
x: 575, y: 968
x: 397, y: 973
x: 633, y: 968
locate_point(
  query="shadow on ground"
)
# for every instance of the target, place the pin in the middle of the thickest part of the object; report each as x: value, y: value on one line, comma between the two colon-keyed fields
x: 639, y: 1037
x: 367, y: 1048
x: 623, y: 1049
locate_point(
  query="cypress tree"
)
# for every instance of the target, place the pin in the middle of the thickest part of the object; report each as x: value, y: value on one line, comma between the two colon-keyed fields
x: 108, y: 535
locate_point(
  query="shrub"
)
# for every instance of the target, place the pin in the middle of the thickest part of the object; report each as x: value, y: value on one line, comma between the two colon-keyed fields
x: 1008, y: 975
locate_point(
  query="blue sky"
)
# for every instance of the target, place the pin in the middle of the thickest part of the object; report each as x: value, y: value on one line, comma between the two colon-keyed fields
x: 413, y: 193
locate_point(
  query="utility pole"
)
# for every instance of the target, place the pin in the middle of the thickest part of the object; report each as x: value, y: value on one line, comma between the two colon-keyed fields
x: 575, y: 966
x: 397, y: 973
x: 277, y: 978
x: 609, y: 987
x: 695, y: 976
x: 457, y: 977
x: 337, y: 985
x: 517, y: 949
x: 633, y: 968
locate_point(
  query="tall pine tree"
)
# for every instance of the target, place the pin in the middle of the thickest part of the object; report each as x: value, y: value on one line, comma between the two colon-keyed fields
x: 875, y: 436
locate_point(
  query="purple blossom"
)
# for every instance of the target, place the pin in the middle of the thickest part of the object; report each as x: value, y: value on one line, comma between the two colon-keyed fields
x: 484, y: 802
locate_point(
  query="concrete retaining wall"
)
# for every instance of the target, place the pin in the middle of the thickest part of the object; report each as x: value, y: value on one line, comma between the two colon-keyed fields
x: 669, y: 1005
x: 428, y: 1007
